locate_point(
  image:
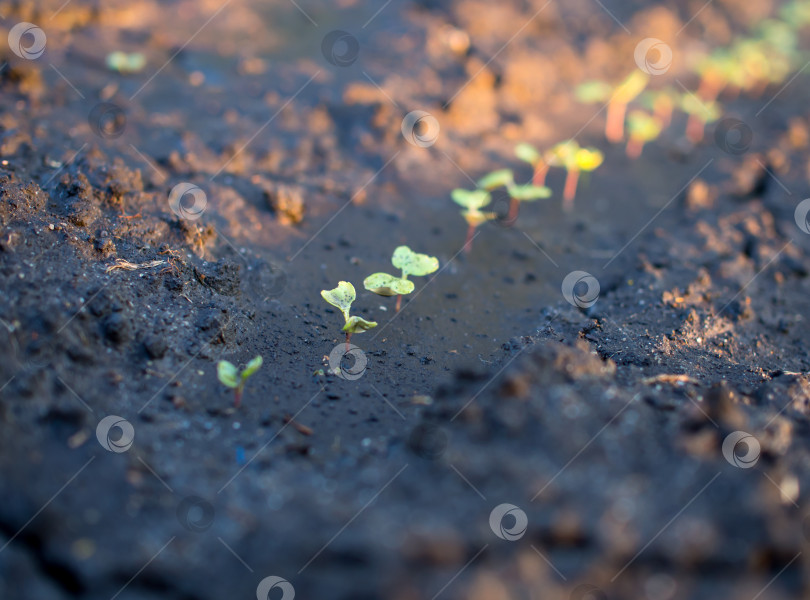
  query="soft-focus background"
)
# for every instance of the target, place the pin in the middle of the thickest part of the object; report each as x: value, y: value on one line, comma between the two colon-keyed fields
x: 604, y: 398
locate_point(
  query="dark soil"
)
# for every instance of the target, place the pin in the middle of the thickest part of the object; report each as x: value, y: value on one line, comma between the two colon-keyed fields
x: 604, y: 425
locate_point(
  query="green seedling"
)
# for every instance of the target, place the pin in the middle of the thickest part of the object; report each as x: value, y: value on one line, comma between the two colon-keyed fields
x: 574, y: 160
x: 410, y: 263
x: 627, y: 91
x: 472, y: 201
x: 700, y: 114
x: 342, y: 297
x: 530, y: 154
x: 230, y: 376
x: 642, y: 128
x: 517, y: 193
x: 662, y: 103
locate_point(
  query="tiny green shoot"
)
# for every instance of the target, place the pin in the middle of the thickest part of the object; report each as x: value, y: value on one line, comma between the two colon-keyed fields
x: 229, y: 376
x: 342, y: 298
x: 627, y: 91
x: 530, y: 154
x: 700, y: 113
x: 642, y: 128
x: 410, y: 263
x: 472, y: 202
x: 517, y: 193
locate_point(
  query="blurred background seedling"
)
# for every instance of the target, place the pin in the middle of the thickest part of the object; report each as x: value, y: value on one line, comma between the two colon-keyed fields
x: 517, y: 193
x: 641, y: 128
x: 472, y: 202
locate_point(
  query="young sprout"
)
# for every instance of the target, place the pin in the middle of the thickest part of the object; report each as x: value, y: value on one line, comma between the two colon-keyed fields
x: 342, y: 297
x: 700, y: 114
x: 530, y: 154
x: 627, y: 91
x: 517, y: 193
x: 643, y: 128
x: 574, y: 160
x: 662, y: 103
x: 472, y: 201
x: 230, y: 376
x: 410, y: 263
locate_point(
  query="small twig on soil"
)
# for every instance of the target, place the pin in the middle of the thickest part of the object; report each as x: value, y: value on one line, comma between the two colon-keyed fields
x: 672, y: 379
x: 303, y: 429
x: 124, y: 264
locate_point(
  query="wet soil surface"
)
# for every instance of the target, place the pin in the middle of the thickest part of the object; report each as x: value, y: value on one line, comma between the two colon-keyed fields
x: 502, y: 443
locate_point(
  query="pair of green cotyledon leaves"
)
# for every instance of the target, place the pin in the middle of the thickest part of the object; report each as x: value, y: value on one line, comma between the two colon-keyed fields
x: 409, y: 262
x: 474, y: 200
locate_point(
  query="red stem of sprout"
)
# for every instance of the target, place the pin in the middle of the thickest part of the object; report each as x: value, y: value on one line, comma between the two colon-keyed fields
x: 634, y: 147
x: 468, y: 242
x: 570, y: 188
x: 539, y: 176
x: 514, y: 207
x: 614, y: 127
x: 694, y: 129
x: 399, y: 302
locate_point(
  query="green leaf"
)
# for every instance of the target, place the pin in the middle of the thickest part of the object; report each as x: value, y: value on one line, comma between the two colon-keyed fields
x: 413, y: 263
x: 358, y: 325
x: 228, y: 374
x: 476, y: 218
x: 528, y: 153
x: 529, y: 192
x: 252, y: 367
x: 496, y: 179
x: 471, y: 199
x: 384, y: 284
x: 642, y: 126
x: 341, y: 297
x: 588, y: 159
x: 592, y: 92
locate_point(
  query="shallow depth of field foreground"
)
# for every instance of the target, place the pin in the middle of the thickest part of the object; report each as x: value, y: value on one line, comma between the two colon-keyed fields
x: 404, y: 300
